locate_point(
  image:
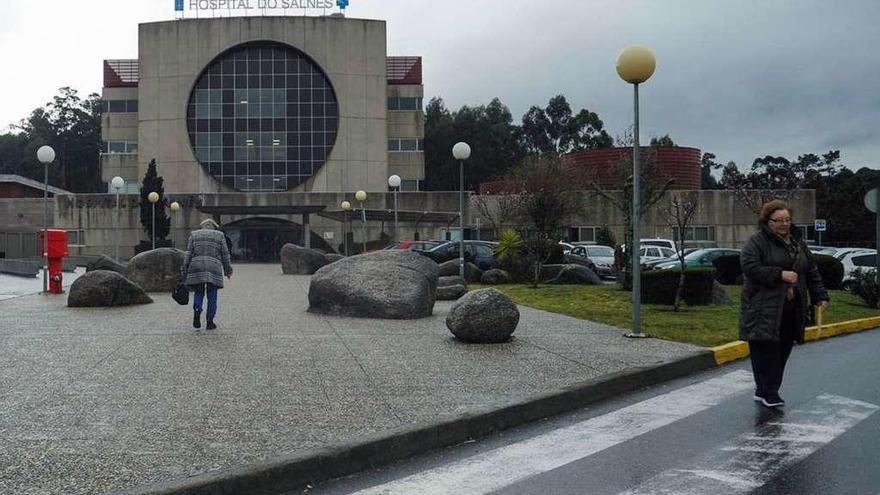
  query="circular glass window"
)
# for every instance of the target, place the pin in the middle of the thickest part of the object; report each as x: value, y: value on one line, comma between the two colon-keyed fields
x: 262, y: 117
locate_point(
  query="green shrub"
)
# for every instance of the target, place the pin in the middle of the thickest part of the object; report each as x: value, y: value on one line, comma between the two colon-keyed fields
x: 866, y: 286
x: 510, y: 255
x: 604, y: 237
x: 658, y: 286
x: 831, y: 270
x: 727, y: 269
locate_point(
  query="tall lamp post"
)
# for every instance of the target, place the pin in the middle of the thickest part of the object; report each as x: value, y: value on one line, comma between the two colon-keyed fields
x: 174, y: 207
x: 635, y: 65
x: 45, y: 155
x: 154, y: 197
x: 117, y: 184
x: 361, y: 196
x: 394, y: 182
x: 346, y: 207
x: 461, y: 151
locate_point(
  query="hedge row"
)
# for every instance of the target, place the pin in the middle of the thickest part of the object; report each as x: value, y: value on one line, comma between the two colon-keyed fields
x: 728, y: 270
x: 658, y: 286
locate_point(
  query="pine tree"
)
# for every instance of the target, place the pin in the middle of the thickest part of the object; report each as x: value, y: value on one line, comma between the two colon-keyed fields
x: 153, y: 182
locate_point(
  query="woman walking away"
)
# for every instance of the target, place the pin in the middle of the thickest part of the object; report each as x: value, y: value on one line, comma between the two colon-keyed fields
x: 207, y: 260
x: 780, y: 276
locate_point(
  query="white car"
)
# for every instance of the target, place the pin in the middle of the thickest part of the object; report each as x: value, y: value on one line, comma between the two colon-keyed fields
x: 650, y: 253
x: 866, y: 260
x: 842, y: 252
x: 667, y: 243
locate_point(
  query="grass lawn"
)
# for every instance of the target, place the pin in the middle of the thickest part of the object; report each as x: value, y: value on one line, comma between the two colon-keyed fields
x: 702, y: 325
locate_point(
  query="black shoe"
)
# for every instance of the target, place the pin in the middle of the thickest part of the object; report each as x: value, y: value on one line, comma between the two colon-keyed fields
x: 211, y: 325
x: 197, y: 319
x: 770, y: 401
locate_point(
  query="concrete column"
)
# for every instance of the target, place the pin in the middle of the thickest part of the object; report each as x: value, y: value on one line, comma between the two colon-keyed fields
x: 307, y: 240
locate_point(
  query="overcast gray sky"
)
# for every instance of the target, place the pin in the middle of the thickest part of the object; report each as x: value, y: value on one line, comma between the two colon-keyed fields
x: 741, y: 78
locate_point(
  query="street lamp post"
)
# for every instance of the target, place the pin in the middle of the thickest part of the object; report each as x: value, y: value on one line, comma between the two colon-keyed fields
x: 45, y: 155
x: 461, y: 151
x: 361, y: 196
x: 346, y: 207
x: 116, y: 184
x: 394, y: 182
x: 174, y: 207
x: 635, y: 65
x: 154, y: 197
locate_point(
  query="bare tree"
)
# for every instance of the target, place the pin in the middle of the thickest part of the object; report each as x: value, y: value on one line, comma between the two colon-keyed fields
x: 547, y: 195
x: 498, y: 210
x: 678, y: 215
x: 654, y: 187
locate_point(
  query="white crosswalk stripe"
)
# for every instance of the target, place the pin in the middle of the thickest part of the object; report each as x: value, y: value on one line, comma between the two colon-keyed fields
x: 754, y: 458
x: 506, y: 465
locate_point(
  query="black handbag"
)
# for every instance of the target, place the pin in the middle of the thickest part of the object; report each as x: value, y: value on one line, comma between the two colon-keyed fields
x: 181, y: 294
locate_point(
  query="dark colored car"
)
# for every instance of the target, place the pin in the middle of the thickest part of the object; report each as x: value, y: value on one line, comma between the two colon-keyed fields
x: 480, y: 253
x: 415, y: 245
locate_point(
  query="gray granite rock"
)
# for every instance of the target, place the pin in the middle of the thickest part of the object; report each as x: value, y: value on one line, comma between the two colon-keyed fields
x: 495, y: 276
x: 576, y: 275
x: 102, y: 288
x: 471, y: 272
x: 297, y: 260
x: 451, y: 280
x: 483, y: 316
x: 157, y: 270
x: 106, y: 263
x: 333, y: 257
x: 451, y: 292
x: 390, y: 284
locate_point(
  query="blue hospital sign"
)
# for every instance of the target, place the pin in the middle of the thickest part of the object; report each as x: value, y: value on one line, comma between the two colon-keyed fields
x: 178, y: 5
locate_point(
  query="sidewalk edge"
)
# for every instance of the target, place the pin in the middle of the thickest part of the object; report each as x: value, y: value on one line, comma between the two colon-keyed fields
x: 739, y: 349
x: 288, y: 473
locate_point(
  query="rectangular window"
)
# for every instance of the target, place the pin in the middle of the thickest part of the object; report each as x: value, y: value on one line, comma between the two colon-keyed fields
x: 404, y: 104
x: 697, y: 233
x: 587, y: 234
x: 409, y: 185
x: 406, y: 145
x: 119, y: 106
x: 76, y: 237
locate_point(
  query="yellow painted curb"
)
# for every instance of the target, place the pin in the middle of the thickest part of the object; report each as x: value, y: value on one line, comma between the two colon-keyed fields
x: 739, y: 349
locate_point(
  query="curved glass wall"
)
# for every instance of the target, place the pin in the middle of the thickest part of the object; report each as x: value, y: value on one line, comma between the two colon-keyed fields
x: 262, y: 117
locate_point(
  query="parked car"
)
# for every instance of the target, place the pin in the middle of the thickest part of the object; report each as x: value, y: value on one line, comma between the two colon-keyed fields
x: 650, y: 253
x: 866, y: 260
x: 667, y: 243
x: 698, y: 258
x: 415, y: 245
x: 841, y: 252
x: 826, y: 250
x: 602, y: 258
x: 566, y: 247
x: 480, y: 253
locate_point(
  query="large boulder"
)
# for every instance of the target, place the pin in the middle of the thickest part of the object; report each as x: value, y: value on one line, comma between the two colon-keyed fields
x: 297, y: 260
x: 451, y: 280
x: 471, y: 272
x: 333, y: 257
x: 390, y: 284
x: 157, y: 270
x: 576, y: 274
x: 483, y: 316
x: 101, y: 288
x: 106, y: 263
x: 495, y: 276
x: 451, y: 292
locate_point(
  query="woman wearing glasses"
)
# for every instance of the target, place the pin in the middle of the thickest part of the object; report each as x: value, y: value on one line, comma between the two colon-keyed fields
x: 780, y: 281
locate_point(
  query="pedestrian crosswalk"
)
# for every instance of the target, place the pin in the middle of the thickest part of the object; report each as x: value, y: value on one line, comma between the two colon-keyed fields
x: 735, y: 467
x: 754, y: 458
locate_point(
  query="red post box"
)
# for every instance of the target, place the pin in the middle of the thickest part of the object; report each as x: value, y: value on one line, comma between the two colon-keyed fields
x: 56, y: 250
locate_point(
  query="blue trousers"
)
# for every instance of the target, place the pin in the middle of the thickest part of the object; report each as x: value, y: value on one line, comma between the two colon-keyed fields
x: 199, y: 295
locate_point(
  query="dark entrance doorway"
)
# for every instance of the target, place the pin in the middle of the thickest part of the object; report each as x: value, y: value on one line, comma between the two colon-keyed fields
x: 260, y: 239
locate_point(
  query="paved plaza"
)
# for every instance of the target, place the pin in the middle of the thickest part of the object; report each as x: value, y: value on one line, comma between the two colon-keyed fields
x: 96, y: 400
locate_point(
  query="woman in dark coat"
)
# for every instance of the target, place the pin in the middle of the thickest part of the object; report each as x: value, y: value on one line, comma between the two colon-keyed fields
x: 780, y: 281
x: 207, y: 260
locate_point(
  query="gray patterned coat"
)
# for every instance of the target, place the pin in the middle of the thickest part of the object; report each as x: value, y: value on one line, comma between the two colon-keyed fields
x: 207, y: 259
